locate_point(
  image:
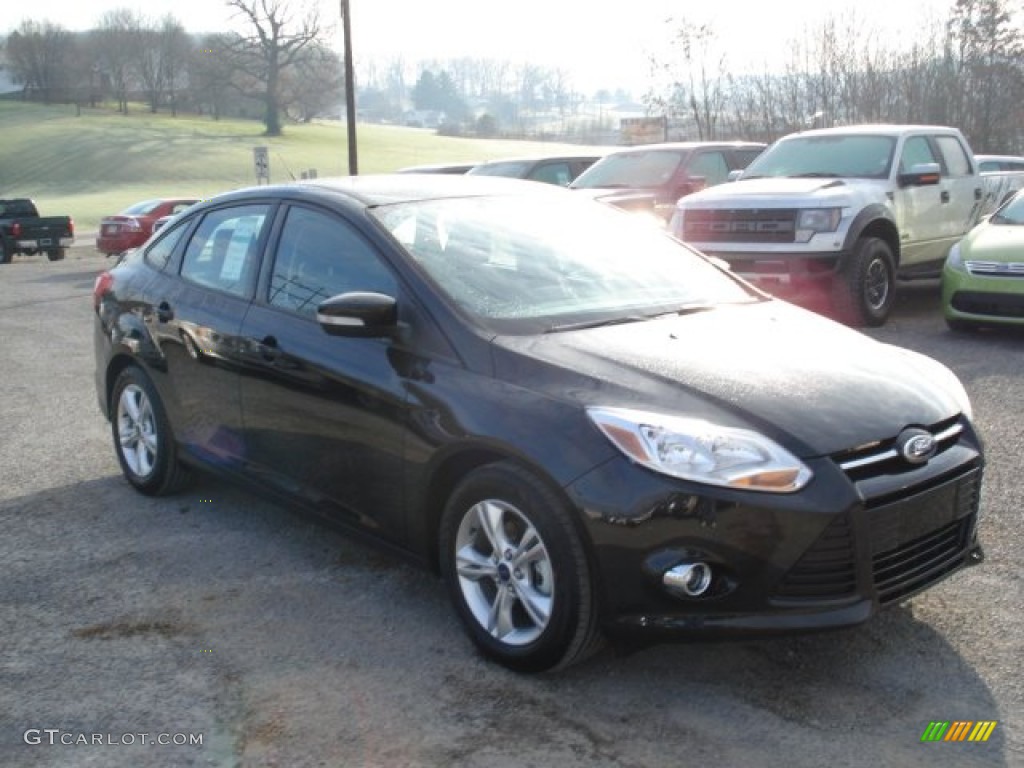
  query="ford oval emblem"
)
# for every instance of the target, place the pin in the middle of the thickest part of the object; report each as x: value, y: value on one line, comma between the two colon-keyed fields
x: 916, y: 445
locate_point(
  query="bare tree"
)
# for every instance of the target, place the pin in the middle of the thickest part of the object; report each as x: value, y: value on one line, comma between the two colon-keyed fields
x: 273, y: 45
x: 314, y: 84
x: 39, y: 55
x: 116, y: 42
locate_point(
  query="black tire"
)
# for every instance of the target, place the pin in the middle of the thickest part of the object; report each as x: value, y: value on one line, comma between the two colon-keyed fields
x: 546, y: 602
x: 6, y: 252
x: 863, y: 290
x: 142, y: 436
x: 57, y: 254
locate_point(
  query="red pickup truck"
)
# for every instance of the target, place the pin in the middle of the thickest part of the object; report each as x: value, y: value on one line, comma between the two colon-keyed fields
x: 23, y: 230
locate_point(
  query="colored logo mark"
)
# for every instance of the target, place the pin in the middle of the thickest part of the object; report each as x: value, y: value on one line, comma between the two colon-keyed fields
x: 959, y: 730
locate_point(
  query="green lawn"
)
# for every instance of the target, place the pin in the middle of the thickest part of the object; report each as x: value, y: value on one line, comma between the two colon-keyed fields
x: 98, y: 162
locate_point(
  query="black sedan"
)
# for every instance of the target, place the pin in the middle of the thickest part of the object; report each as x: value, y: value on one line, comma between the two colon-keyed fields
x: 586, y: 427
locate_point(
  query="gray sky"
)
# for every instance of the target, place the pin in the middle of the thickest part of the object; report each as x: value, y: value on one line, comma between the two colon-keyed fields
x: 599, y: 43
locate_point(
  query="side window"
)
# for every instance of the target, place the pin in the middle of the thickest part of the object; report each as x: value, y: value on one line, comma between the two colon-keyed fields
x: 222, y: 253
x: 319, y: 256
x: 159, y: 253
x: 916, y: 150
x: 745, y: 157
x: 552, y: 173
x: 710, y: 165
x: 954, y: 155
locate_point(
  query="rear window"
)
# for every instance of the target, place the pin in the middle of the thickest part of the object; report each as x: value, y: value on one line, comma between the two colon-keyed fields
x: 14, y: 208
x: 630, y: 170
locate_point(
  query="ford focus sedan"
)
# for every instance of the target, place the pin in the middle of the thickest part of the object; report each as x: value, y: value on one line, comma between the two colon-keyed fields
x: 585, y: 427
x: 983, y: 277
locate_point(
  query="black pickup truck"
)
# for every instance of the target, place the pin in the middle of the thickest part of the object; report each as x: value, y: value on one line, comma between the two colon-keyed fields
x: 23, y: 230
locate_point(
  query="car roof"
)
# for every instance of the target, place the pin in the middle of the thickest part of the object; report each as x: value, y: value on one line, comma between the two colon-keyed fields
x: 677, y: 146
x: 542, y: 158
x: 879, y: 129
x: 384, y: 189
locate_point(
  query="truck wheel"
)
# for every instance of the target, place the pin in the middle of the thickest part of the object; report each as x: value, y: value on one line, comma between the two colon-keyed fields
x: 57, y: 254
x: 6, y: 254
x: 864, y: 288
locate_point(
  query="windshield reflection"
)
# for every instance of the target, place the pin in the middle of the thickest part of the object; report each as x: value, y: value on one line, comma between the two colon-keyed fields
x: 527, y: 265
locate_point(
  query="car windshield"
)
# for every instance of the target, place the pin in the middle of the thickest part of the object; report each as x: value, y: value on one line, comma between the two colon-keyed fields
x: 515, y: 169
x: 632, y: 170
x: 846, y: 156
x: 1012, y: 213
x: 535, y: 264
x: 141, y: 209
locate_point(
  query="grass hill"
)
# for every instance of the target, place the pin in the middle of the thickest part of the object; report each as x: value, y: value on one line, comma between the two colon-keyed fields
x: 96, y: 162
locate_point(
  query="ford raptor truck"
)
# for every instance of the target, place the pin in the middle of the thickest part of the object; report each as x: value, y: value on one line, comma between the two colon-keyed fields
x: 844, y: 213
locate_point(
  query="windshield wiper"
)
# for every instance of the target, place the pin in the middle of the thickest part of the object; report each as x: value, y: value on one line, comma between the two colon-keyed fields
x: 814, y: 175
x: 623, y: 319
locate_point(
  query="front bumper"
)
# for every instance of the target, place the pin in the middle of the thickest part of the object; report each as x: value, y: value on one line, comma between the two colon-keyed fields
x: 982, y: 299
x: 829, y: 556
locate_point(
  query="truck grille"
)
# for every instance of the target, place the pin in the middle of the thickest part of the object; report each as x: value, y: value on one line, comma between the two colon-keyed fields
x: 740, y: 226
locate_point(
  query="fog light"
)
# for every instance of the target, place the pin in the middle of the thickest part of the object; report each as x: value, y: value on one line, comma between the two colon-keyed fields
x: 689, y: 579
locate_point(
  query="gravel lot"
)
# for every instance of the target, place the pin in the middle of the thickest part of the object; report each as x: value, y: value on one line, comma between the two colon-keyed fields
x: 279, y: 642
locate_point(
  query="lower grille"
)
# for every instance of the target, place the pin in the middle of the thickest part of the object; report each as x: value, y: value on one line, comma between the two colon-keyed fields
x: 825, y: 571
x: 991, y: 304
x: 912, y: 542
x: 916, y: 542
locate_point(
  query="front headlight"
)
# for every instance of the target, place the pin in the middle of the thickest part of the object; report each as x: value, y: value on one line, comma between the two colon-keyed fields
x: 954, y: 260
x: 697, y: 450
x: 811, y: 221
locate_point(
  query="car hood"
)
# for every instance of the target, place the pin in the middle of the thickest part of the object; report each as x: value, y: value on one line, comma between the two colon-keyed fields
x: 809, y: 383
x: 779, y: 193
x: 994, y: 242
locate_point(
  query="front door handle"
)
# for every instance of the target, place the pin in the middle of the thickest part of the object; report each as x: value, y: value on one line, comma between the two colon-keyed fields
x: 269, y: 349
x: 164, y: 313
x: 977, y: 193
x: 944, y: 196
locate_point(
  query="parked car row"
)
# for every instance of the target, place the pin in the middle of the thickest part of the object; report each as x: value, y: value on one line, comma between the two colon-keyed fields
x: 586, y: 426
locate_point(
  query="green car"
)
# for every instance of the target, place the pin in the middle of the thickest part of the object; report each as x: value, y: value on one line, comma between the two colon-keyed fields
x: 983, y: 278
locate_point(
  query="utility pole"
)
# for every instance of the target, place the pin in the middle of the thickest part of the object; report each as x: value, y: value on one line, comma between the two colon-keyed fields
x: 350, y: 90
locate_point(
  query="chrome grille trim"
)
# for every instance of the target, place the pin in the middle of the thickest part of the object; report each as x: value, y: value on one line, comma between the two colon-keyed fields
x: 949, y: 433
x: 995, y: 268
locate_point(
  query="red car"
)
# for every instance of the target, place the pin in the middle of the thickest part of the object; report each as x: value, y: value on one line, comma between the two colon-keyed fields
x: 133, y: 226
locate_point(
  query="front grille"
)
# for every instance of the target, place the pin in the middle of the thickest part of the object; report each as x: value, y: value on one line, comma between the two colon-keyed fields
x: 825, y: 571
x: 906, y: 539
x: 991, y: 304
x: 740, y: 226
x: 995, y: 268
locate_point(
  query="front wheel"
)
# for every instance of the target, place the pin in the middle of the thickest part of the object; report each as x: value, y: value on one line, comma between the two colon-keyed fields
x: 142, y: 436
x: 516, y: 570
x: 864, y: 289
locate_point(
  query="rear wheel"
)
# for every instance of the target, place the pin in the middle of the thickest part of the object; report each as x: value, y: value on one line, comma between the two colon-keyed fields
x: 864, y: 289
x: 6, y: 252
x: 56, y: 254
x: 142, y: 436
x: 516, y: 570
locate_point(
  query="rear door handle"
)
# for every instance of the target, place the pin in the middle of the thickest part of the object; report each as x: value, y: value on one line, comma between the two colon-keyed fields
x: 944, y: 197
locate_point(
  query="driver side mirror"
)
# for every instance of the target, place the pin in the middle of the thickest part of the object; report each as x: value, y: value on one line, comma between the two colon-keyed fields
x: 358, y: 314
x: 920, y: 175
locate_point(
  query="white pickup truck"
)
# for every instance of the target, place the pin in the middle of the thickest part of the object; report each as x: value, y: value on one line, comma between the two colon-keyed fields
x: 845, y: 211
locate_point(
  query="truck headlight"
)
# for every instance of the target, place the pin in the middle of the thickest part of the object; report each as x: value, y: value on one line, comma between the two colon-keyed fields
x: 811, y: 221
x: 697, y: 450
